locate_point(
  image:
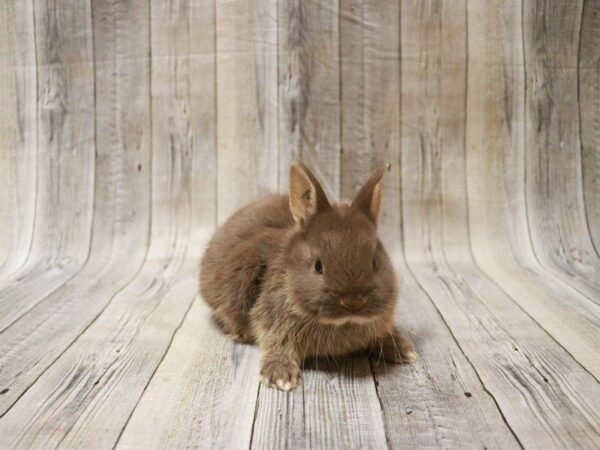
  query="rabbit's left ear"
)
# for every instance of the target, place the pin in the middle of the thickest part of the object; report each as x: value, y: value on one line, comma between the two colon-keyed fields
x: 306, y: 196
x: 368, y: 199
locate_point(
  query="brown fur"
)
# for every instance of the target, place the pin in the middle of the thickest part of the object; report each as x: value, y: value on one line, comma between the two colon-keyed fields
x: 258, y: 274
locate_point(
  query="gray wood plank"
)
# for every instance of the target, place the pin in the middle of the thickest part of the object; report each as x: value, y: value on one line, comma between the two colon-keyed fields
x: 588, y: 97
x: 434, y: 56
x: 309, y: 90
x: 18, y: 134
x: 90, y: 391
x: 140, y: 319
x: 280, y: 419
x: 246, y: 43
x: 58, y: 146
x: 516, y: 360
x: 121, y: 208
x: 203, y: 394
x: 553, y: 160
x: 495, y: 177
x: 184, y: 101
x: 335, y: 407
x: 439, y: 401
x: 340, y: 406
x: 85, y: 398
x: 66, y: 133
x: 370, y: 101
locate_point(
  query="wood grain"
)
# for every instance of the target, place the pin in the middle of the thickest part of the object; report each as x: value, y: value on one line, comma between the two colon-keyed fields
x: 498, y: 223
x: 203, y: 394
x: 129, y: 129
x: 556, y: 210
x: 370, y: 58
x: 120, y: 227
x: 493, y: 332
x: 147, y: 312
x: 247, y: 132
x: 336, y: 407
x: 53, y: 247
x: 183, y: 70
x: 514, y: 370
x: 588, y: 98
x: 18, y: 132
x: 309, y: 90
x: 439, y: 401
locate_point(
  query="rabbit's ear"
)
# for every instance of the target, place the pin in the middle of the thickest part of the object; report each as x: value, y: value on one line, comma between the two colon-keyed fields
x: 307, y: 197
x: 368, y: 199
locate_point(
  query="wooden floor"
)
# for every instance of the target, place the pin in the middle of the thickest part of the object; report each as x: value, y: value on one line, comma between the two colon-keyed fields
x: 129, y: 129
x: 117, y: 353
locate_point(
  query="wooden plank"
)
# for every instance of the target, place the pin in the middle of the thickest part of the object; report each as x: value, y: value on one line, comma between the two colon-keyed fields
x: 507, y: 326
x: 18, y: 134
x: 113, y: 360
x: 335, y: 407
x: 280, y: 419
x: 202, y: 395
x: 143, y: 316
x: 370, y: 96
x: 121, y: 205
x: 518, y: 363
x: 553, y: 164
x: 66, y: 133
x: 588, y: 60
x: 92, y: 376
x: 495, y: 175
x: 309, y: 90
x: 433, y: 116
x: 340, y: 406
x: 246, y: 43
x: 438, y: 401
x: 415, y: 413
x: 85, y: 398
x: 201, y: 376
x: 58, y: 177
x: 184, y: 99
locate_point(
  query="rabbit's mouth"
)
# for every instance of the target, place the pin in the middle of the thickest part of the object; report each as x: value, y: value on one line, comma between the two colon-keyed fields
x: 372, y: 313
x: 349, y: 309
x: 346, y: 315
x: 356, y: 319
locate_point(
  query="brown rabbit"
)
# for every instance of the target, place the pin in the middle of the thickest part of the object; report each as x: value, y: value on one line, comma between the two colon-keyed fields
x: 304, y: 278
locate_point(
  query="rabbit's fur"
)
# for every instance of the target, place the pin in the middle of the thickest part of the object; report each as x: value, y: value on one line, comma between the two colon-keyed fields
x: 304, y: 278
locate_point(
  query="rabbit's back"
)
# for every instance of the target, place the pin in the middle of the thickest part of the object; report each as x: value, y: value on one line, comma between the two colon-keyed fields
x: 236, y: 259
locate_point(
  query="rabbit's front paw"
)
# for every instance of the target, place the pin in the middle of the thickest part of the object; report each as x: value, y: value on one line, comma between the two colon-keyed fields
x: 280, y: 372
x: 395, y: 348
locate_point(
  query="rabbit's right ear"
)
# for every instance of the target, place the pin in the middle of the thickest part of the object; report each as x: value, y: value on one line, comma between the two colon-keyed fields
x: 307, y: 197
x: 368, y: 199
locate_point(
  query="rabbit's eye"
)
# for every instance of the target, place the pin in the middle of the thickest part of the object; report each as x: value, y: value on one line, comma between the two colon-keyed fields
x: 375, y: 263
x: 319, y: 267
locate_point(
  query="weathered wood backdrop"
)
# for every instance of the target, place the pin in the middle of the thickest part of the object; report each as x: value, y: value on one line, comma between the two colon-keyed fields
x: 128, y: 129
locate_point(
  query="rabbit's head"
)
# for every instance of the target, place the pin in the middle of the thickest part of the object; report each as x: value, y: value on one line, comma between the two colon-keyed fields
x: 337, y: 270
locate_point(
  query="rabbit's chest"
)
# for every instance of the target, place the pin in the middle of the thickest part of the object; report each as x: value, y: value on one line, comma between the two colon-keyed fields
x: 334, y: 341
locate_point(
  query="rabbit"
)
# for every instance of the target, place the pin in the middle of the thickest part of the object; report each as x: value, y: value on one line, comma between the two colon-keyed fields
x: 304, y: 278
